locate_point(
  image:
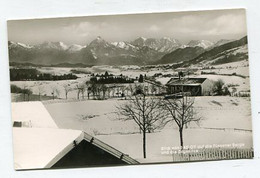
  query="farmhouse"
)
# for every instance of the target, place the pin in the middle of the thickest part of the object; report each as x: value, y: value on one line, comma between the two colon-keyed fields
x: 39, y: 143
x: 195, y: 86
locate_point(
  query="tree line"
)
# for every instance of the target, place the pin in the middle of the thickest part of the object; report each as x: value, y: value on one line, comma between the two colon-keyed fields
x: 110, y: 78
x: 25, y: 91
x: 35, y: 75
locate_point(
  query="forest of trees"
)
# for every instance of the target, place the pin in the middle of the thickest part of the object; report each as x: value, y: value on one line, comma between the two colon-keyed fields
x: 110, y: 78
x: 35, y: 75
x: 25, y: 91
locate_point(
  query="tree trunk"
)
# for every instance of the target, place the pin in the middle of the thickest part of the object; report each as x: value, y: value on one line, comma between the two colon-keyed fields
x: 144, y: 143
x: 78, y: 94
x: 66, y: 95
x: 94, y: 95
x: 82, y: 93
x: 181, y: 137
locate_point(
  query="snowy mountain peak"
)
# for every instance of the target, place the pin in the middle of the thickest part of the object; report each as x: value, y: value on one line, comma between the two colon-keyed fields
x: 200, y: 43
x: 139, y: 41
x: 18, y: 44
x: 142, y: 38
x: 24, y: 45
x: 124, y: 45
x: 75, y: 47
x: 170, y: 39
x: 62, y: 45
x: 120, y: 44
x: 98, y: 42
x: 99, y: 39
x: 53, y: 45
x: 165, y: 44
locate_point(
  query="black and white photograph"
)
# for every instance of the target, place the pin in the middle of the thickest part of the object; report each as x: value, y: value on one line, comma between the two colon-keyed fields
x: 132, y: 89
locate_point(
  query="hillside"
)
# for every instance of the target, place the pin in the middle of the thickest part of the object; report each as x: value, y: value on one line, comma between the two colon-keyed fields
x: 181, y: 55
x: 226, y: 53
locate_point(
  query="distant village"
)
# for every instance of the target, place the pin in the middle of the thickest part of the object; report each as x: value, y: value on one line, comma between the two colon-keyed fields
x: 108, y: 85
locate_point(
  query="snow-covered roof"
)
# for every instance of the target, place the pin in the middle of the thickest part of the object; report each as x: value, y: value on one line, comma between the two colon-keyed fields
x: 33, y: 112
x: 36, y: 148
x: 154, y: 83
x: 186, y: 81
x: 113, y: 151
x: 43, y: 144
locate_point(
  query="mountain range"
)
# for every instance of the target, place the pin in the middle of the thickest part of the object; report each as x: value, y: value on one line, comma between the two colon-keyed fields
x: 140, y: 51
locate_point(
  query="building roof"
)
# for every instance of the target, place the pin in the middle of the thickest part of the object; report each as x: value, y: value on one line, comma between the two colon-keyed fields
x: 34, y: 113
x: 42, y: 144
x: 37, y: 148
x: 98, y: 143
x: 154, y: 83
x: 186, y: 81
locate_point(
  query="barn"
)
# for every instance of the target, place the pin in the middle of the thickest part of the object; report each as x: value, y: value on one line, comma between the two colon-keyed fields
x: 194, y: 86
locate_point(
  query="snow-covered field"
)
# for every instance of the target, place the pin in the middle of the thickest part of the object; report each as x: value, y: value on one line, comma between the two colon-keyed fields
x: 225, y: 120
x: 54, y: 70
x: 99, y: 118
x: 241, y: 84
x: 240, y: 68
x: 47, y: 87
x: 132, y: 144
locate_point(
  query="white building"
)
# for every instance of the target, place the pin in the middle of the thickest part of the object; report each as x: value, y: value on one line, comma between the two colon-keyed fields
x: 195, y: 86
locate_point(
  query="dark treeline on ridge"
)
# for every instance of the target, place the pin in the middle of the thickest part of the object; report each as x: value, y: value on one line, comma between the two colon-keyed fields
x: 34, y: 75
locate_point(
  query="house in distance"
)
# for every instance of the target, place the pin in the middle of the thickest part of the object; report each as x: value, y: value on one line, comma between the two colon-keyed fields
x: 194, y: 86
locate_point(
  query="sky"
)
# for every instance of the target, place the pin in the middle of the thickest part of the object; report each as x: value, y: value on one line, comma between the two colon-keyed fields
x: 184, y: 26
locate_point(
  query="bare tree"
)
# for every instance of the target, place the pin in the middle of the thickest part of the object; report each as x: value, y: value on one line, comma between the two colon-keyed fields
x: 40, y: 89
x: 145, y: 112
x: 67, y: 89
x: 104, y: 89
x: 99, y: 90
x: 108, y: 91
x: 23, y: 91
x: 182, y: 113
x: 113, y: 90
x: 28, y: 92
x: 54, y: 92
x: 118, y: 91
x: 81, y: 89
x: 92, y: 88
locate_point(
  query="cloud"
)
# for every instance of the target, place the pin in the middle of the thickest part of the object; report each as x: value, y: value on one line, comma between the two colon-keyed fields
x: 209, y: 25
